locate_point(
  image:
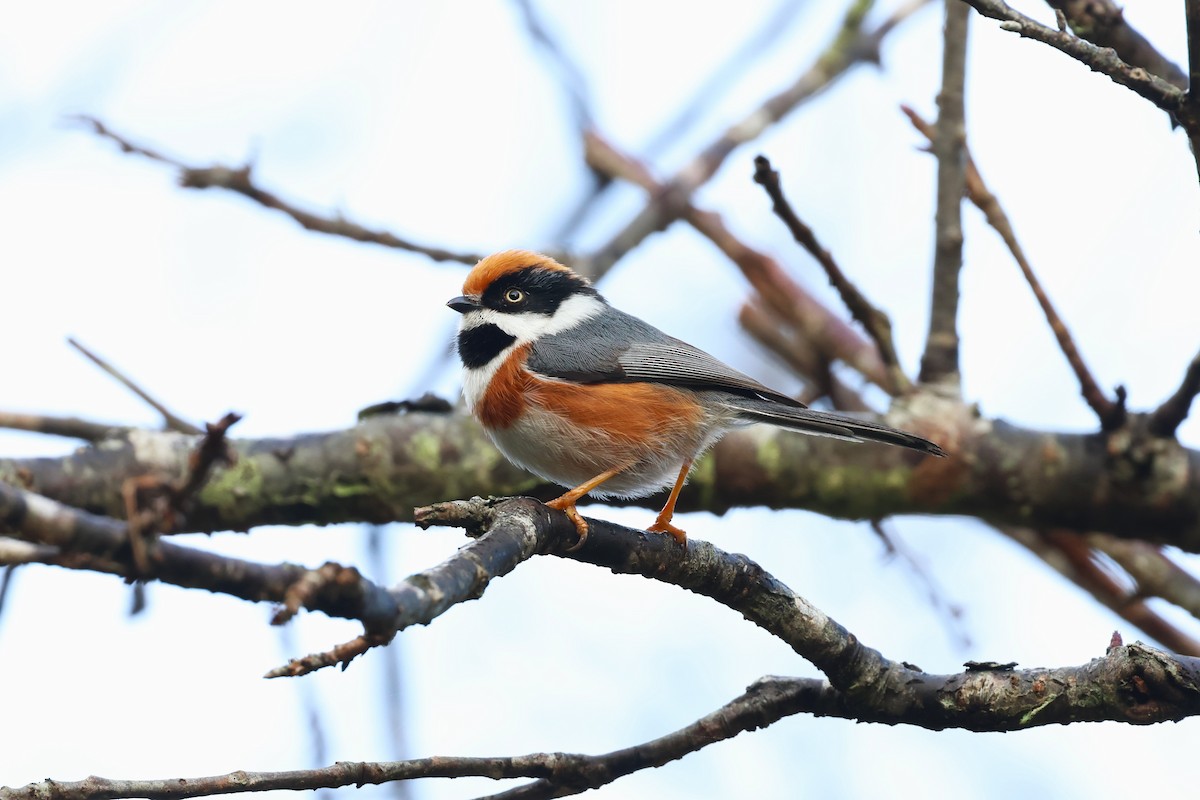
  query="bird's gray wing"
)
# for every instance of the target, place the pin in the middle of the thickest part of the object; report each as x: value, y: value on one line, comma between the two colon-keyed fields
x: 616, y: 347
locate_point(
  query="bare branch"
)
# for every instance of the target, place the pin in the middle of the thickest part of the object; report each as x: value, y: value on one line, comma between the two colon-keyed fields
x: 1193, y: 28
x: 1112, y: 415
x: 71, y: 427
x: 240, y: 181
x: 950, y: 612
x: 939, y: 364
x: 1103, y: 23
x: 1100, y: 59
x: 1156, y: 574
x: 566, y: 71
x: 172, y: 422
x: 1121, y: 599
x: 850, y: 47
x: 828, y: 333
x: 1167, y: 418
x: 874, y: 321
x: 795, y: 350
x: 1134, y: 683
x: 1129, y: 483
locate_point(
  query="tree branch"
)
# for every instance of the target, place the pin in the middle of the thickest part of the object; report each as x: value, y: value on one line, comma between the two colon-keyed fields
x: 828, y: 333
x: 1099, y: 59
x: 1167, y: 418
x: 799, y: 354
x: 1111, y: 414
x: 240, y: 181
x: 1103, y: 22
x: 1130, y: 483
x: 1134, y: 684
x: 939, y: 364
x: 850, y: 46
x: 172, y: 421
x: 71, y: 427
x: 874, y: 321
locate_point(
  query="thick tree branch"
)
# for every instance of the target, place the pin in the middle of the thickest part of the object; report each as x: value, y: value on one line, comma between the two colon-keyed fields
x: 851, y: 46
x: 1129, y: 484
x: 874, y: 321
x: 1135, y: 684
x: 939, y: 363
x: 240, y: 181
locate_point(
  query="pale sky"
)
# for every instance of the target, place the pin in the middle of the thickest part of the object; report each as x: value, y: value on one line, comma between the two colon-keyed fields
x: 441, y: 122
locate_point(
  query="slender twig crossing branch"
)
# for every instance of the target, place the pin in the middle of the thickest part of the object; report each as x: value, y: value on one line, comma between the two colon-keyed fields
x: 874, y: 321
x: 241, y: 181
x: 828, y: 333
x: 172, y: 421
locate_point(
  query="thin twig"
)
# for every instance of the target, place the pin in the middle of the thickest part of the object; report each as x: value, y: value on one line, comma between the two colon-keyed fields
x: 239, y: 180
x: 71, y: 427
x: 172, y: 422
x: 1103, y: 22
x: 1100, y: 59
x: 568, y: 74
x: 782, y: 340
x: 1167, y: 418
x: 829, y: 334
x: 951, y: 613
x: 874, y: 321
x: 1111, y: 415
x: 850, y: 46
x: 939, y: 363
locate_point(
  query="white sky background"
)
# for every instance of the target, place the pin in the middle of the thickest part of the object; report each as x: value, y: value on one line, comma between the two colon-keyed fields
x: 442, y: 123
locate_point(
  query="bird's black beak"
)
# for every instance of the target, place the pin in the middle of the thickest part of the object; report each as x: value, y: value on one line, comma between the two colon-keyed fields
x: 463, y: 303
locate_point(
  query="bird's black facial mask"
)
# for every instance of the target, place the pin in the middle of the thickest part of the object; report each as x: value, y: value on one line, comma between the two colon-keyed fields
x: 534, y: 290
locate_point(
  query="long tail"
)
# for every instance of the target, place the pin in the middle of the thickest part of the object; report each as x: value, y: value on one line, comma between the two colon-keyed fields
x: 823, y: 423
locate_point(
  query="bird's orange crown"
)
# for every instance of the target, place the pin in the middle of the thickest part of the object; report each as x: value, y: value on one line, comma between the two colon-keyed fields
x: 506, y: 262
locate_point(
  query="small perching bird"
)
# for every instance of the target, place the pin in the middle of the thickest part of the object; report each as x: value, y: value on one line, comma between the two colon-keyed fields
x: 590, y: 397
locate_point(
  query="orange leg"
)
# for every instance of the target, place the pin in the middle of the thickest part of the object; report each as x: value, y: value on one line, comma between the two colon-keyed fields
x: 566, y: 503
x: 662, y: 524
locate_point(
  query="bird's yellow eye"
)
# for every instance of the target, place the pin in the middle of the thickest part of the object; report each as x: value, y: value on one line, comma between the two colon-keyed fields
x: 514, y: 295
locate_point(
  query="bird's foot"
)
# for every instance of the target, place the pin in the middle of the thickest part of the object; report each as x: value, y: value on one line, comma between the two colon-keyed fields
x: 567, y: 506
x: 663, y: 525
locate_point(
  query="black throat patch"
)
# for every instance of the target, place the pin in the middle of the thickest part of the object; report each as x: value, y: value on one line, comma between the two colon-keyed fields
x: 477, y: 346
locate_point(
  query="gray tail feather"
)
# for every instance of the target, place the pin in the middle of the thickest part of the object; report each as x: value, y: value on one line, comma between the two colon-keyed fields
x: 823, y: 423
